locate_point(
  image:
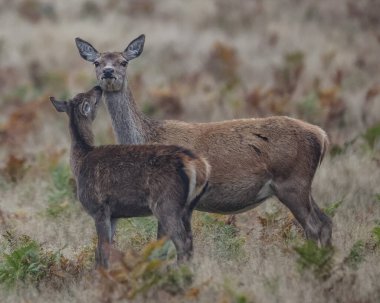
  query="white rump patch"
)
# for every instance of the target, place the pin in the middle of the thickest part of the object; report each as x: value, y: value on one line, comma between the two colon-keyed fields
x: 192, y: 174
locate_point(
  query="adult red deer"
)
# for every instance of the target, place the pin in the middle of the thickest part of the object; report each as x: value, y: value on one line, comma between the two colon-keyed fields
x: 251, y: 159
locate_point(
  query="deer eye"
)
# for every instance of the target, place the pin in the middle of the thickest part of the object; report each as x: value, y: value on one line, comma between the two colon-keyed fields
x: 96, y: 63
x: 124, y: 63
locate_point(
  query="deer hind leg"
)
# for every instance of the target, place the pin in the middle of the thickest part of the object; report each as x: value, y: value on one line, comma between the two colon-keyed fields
x: 186, y: 219
x: 325, y: 232
x: 104, y: 232
x: 298, y: 199
x: 174, y: 226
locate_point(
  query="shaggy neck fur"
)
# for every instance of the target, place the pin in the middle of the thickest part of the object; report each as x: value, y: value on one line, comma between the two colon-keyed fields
x: 129, y: 124
x: 82, y: 140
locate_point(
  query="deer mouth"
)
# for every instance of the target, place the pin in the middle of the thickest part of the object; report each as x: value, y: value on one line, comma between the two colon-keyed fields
x: 110, y: 83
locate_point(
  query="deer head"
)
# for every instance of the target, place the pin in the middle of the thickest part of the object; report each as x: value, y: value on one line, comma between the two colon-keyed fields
x: 83, y: 105
x: 111, y: 67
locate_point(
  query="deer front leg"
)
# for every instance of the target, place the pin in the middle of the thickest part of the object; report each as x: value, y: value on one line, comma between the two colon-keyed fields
x: 104, y: 231
x: 160, y: 231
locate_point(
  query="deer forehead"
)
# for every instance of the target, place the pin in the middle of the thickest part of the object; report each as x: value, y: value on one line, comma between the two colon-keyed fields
x: 82, y: 97
x: 110, y: 58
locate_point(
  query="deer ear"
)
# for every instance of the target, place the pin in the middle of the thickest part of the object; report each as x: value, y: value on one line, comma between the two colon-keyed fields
x: 135, y: 48
x: 86, y: 108
x: 86, y: 50
x: 60, y: 106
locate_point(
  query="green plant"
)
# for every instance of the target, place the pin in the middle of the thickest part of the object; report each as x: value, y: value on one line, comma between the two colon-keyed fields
x: 140, y: 273
x: 138, y: 231
x: 376, y: 234
x: 61, y: 191
x: 318, y: 260
x: 25, y: 262
x: 234, y: 296
x: 149, y: 109
x: 330, y: 210
x: 226, y: 241
x: 372, y: 135
x: 176, y: 280
x: 288, y: 74
x: 18, y: 93
x: 356, y: 255
x: 310, y: 106
x: 336, y: 149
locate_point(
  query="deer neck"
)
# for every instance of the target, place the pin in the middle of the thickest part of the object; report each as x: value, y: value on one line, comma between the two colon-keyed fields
x: 129, y: 124
x: 82, y: 140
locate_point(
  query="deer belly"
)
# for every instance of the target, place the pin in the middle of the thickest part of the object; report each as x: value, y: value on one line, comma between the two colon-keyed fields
x: 128, y: 209
x: 228, y: 200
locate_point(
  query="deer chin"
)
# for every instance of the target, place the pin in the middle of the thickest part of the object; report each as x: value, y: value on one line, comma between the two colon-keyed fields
x: 110, y: 84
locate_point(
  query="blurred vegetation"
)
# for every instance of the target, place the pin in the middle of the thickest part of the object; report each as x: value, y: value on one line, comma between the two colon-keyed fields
x: 317, y: 259
x: 331, y: 209
x: 202, y: 61
x: 372, y: 135
x: 61, y: 193
x: 26, y: 262
x: 136, y: 232
x: 142, y: 274
x: 376, y: 234
x: 233, y: 295
x: 225, y: 241
x: 356, y: 255
x: 15, y: 169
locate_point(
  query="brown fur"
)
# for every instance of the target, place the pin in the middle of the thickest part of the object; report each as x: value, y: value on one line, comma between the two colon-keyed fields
x: 118, y: 181
x: 252, y: 159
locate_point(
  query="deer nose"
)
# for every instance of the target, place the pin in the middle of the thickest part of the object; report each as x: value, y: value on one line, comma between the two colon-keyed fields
x: 108, y: 71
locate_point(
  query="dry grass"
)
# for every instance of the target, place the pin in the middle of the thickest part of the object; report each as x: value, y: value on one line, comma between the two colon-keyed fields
x: 202, y: 61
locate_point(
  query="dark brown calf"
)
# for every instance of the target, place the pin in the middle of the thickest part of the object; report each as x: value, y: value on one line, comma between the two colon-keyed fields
x: 123, y: 181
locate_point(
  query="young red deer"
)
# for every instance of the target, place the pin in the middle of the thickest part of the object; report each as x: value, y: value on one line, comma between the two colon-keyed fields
x: 121, y: 181
x: 252, y: 159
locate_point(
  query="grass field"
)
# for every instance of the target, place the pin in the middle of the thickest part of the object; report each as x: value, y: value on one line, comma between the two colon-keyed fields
x: 203, y: 61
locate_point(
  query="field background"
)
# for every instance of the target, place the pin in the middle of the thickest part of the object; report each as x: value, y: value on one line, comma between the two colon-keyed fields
x: 202, y: 61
